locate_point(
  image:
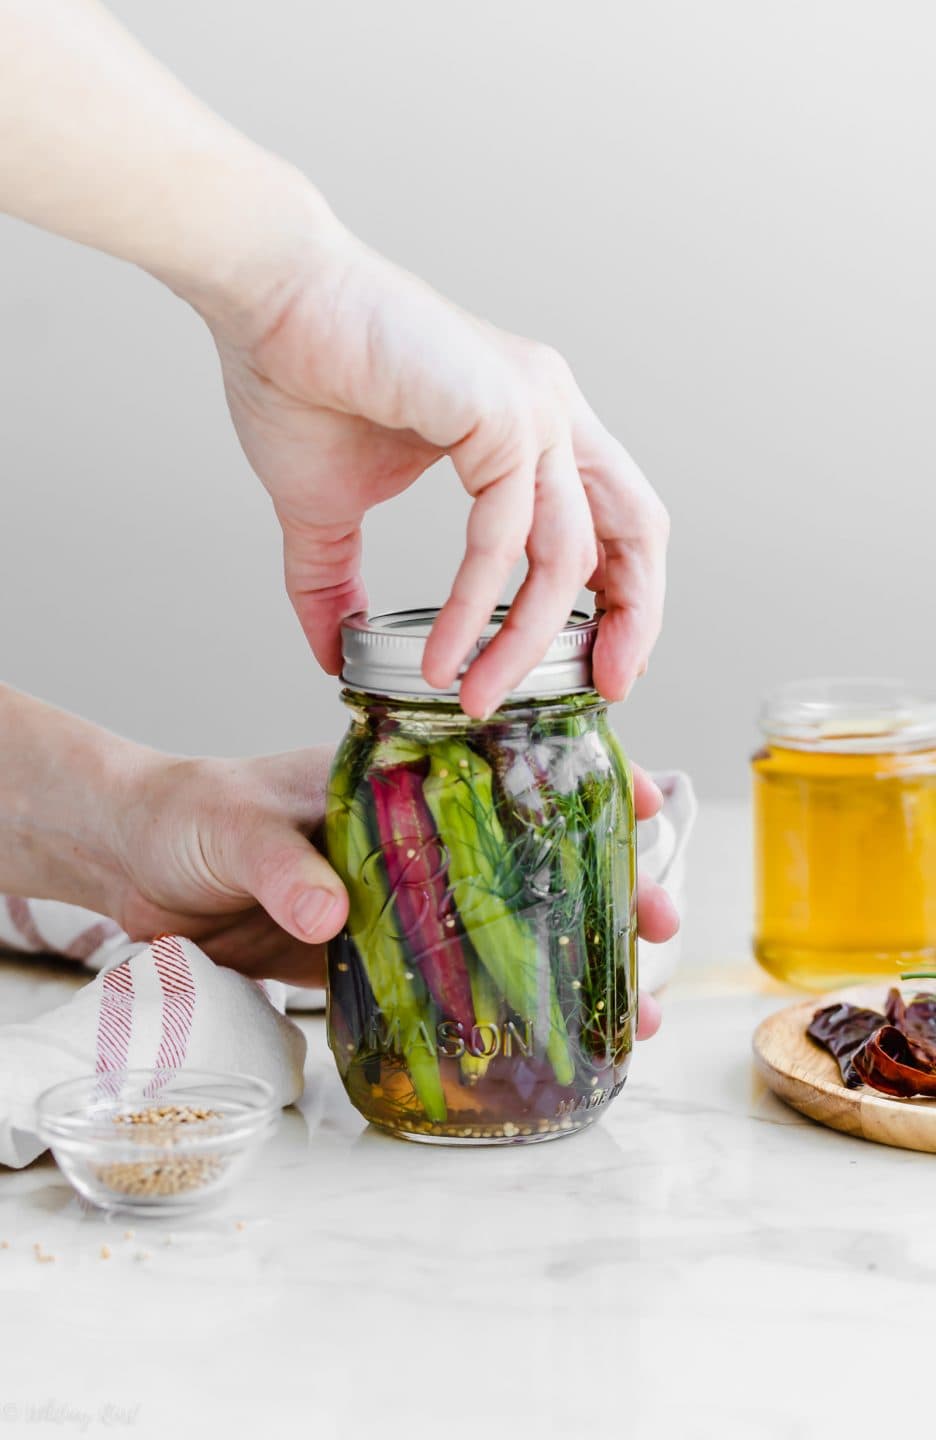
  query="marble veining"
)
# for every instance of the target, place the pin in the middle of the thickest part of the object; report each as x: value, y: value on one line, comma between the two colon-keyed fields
x: 702, y: 1262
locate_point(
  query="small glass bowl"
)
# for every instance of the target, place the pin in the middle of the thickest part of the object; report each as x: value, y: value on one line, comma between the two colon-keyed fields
x: 155, y: 1142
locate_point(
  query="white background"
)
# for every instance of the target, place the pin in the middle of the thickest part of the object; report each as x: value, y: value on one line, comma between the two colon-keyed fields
x: 723, y: 213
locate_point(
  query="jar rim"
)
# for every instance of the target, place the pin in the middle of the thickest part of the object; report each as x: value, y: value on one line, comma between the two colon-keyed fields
x: 382, y: 654
x: 849, y: 715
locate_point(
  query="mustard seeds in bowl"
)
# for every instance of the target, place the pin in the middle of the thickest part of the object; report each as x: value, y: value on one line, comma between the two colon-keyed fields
x: 158, y: 1141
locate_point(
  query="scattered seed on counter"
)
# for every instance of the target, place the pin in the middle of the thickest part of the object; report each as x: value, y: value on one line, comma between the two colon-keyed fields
x: 105, y: 1252
x: 240, y: 1225
x: 142, y: 1255
x: 4, y: 1244
x: 129, y: 1234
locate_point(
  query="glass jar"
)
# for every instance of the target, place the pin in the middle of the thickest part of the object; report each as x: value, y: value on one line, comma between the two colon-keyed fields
x: 845, y: 832
x: 484, y: 989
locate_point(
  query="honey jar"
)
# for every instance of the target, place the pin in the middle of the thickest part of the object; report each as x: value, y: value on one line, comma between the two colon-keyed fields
x: 845, y: 832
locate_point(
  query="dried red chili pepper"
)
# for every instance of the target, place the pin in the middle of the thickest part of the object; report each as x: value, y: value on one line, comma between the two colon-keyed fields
x: 891, y: 1063
x: 919, y: 1020
x: 842, y: 1030
x: 894, y: 1053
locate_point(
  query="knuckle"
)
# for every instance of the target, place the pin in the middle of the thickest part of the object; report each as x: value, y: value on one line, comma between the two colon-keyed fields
x: 588, y: 560
x: 553, y: 367
x: 503, y: 441
x: 498, y: 407
x: 504, y: 550
x: 551, y: 384
x: 273, y: 870
x: 661, y: 518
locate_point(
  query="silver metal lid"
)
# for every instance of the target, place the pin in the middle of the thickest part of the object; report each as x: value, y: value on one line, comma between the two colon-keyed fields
x: 857, y: 716
x: 383, y: 654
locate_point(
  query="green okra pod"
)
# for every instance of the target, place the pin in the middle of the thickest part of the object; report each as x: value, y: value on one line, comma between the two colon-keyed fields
x: 352, y: 852
x: 488, y: 890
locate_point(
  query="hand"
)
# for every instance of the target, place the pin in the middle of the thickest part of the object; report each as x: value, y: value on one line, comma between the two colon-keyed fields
x: 657, y: 916
x: 346, y: 377
x: 219, y: 851
x: 351, y: 378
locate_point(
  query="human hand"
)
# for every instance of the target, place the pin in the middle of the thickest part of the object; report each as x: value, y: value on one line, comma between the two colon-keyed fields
x: 220, y: 851
x: 350, y: 377
x: 346, y: 376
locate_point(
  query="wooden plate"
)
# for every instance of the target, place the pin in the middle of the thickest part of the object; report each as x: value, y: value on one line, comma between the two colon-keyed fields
x: 808, y: 1078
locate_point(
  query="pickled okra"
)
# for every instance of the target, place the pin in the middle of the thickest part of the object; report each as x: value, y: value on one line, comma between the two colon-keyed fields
x: 488, y: 889
x: 483, y: 988
x: 382, y: 954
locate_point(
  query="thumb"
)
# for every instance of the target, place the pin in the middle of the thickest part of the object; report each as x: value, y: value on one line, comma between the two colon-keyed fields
x: 294, y: 883
x: 323, y: 580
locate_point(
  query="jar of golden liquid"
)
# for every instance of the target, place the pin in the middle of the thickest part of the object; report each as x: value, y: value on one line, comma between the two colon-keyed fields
x: 845, y: 832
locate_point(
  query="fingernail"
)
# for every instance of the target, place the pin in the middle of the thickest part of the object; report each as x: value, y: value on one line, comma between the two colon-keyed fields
x: 312, y: 910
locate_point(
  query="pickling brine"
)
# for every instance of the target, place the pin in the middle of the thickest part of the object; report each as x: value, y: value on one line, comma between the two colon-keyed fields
x: 484, y: 987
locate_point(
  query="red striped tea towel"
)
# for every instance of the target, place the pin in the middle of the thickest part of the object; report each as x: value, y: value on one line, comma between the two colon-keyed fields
x: 158, y: 1006
x: 50, y: 927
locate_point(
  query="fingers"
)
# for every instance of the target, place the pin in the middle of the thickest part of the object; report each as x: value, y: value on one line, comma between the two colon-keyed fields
x: 497, y: 531
x: 323, y: 580
x: 657, y: 916
x: 619, y: 550
x: 627, y: 630
x: 632, y: 529
x: 294, y: 883
x: 649, y: 1015
x: 561, y: 552
x: 257, y: 948
x: 648, y: 797
x: 657, y: 920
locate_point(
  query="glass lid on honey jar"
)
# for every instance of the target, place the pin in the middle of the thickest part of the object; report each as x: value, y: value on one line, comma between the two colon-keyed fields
x: 849, y: 715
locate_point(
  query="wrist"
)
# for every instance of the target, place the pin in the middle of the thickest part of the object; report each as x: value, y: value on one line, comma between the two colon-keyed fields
x: 128, y: 775
x: 258, y: 225
x: 62, y: 785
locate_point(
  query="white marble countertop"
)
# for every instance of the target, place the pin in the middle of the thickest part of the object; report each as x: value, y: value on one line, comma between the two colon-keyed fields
x: 702, y: 1262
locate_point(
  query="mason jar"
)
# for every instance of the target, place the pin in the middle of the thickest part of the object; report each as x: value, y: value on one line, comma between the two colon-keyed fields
x: 484, y: 988
x: 845, y: 832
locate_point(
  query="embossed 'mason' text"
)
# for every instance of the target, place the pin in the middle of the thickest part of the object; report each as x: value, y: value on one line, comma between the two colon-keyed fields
x: 449, y: 1039
x: 591, y: 1101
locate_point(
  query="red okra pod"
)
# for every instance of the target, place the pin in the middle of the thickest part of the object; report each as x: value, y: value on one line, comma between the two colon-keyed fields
x: 415, y: 862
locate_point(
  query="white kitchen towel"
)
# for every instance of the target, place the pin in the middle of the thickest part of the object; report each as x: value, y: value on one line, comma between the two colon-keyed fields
x: 50, y: 927
x: 158, y: 1006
